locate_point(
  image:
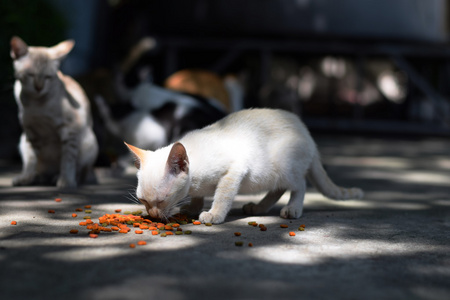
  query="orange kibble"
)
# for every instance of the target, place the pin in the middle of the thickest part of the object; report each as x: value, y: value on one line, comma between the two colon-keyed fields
x: 58, y: 199
x: 87, y: 206
x: 155, y: 232
x: 196, y: 222
x: 118, y: 210
x: 291, y: 233
x: 175, y: 225
x: 237, y: 234
x: 138, y: 232
x: 169, y: 233
x: 142, y: 226
x: 78, y: 209
x: 83, y: 223
x: 73, y: 231
x: 93, y: 235
x: 105, y: 229
x: 132, y: 246
x: 51, y: 211
x: 123, y: 231
x: 89, y: 221
x: 74, y: 215
x: 167, y: 227
x: 115, y: 228
x: 142, y: 243
x: 284, y: 226
x: 303, y: 225
x: 152, y: 228
x: 136, y: 224
x: 13, y: 222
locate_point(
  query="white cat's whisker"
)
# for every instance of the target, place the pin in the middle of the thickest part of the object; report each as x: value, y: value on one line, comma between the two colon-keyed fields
x: 132, y: 198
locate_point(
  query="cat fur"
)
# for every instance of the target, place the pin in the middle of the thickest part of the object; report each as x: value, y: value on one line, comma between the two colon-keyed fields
x: 247, y: 152
x: 58, y: 145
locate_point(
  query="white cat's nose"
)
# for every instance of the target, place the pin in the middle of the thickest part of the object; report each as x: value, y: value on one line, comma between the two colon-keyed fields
x: 154, y: 212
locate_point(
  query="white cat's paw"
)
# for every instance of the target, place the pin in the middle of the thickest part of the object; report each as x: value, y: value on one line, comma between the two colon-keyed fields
x: 251, y: 209
x: 63, y: 183
x: 290, y: 212
x: 24, y: 179
x: 207, y: 217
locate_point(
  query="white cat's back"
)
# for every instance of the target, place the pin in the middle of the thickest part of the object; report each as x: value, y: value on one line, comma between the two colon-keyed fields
x: 272, y: 148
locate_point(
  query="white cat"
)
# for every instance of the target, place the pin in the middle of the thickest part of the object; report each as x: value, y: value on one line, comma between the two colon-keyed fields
x: 57, y: 144
x: 247, y: 152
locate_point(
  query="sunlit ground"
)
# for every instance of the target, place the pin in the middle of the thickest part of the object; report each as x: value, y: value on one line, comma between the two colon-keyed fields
x: 393, y: 244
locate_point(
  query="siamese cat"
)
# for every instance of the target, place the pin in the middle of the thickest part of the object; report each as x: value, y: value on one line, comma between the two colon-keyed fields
x: 247, y: 152
x: 58, y: 145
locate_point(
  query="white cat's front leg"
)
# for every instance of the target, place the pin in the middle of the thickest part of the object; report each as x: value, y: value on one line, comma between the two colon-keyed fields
x: 226, y: 190
x: 28, y: 175
x: 68, y: 165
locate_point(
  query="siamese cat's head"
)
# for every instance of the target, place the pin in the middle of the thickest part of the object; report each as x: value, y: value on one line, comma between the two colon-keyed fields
x: 163, y: 178
x: 37, y: 67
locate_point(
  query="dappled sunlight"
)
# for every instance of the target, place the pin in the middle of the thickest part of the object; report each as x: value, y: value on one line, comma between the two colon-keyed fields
x: 115, y: 248
x: 398, y: 230
x: 311, y: 251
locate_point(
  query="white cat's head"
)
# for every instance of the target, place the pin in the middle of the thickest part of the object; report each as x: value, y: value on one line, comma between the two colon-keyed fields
x: 163, y: 178
x: 37, y: 67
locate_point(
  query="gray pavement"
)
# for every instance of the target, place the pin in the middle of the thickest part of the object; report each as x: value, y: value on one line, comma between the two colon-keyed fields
x: 394, y: 244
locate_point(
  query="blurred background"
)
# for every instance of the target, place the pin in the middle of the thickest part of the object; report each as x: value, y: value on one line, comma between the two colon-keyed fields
x: 348, y: 66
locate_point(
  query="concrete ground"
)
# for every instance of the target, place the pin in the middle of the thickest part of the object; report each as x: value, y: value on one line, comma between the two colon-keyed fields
x: 394, y: 244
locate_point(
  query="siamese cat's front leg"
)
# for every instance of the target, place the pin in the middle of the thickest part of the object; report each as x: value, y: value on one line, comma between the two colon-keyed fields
x: 29, y: 160
x: 68, y: 164
x: 226, y: 190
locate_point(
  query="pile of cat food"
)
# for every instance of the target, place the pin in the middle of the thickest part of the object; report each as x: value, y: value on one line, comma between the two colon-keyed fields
x: 128, y: 221
x: 131, y: 222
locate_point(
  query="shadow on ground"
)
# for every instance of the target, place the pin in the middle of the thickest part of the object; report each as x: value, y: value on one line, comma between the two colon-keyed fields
x: 394, y: 244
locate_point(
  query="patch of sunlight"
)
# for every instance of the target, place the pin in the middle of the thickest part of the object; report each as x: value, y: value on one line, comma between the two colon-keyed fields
x: 316, y: 200
x: 378, y: 162
x: 5, y: 181
x: 90, y: 254
x: 279, y: 255
x: 425, y: 177
x: 441, y: 202
x: 421, y: 177
x: 443, y: 163
x: 87, y: 249
x: 312, y: 248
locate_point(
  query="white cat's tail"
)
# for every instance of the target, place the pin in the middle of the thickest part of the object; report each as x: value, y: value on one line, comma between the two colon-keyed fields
x: 319, y: 178
x: 105, y: 114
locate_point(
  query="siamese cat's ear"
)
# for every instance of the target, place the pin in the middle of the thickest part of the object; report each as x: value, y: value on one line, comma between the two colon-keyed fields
x: 178, y: 161
x: 61, y: 50
x: 18, y: 47
x: 139, y: 155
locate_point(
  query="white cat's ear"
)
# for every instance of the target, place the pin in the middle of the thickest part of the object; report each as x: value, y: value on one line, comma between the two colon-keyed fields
x: 178, y: 161
x: 18, y: 47
x: 139, y: 155
x: 61, y: 50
